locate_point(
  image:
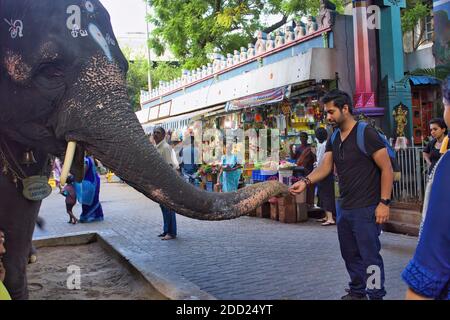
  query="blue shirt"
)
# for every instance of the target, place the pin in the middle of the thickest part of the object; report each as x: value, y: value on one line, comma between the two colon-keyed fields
x: 428, y: 273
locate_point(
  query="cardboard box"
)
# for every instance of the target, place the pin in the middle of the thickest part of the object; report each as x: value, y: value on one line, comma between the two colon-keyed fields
x: 273, y: 208
x: 263, y: 211
x: 287, y: 211
x: 302, y: 212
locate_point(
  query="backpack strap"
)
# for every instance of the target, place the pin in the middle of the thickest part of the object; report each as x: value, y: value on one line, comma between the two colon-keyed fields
x: 360, y: 136
x: 334, y: 135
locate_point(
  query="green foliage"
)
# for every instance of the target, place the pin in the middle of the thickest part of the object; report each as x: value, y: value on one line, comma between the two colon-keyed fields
x: 137, y: 76
x: 439, y: 72
x: 192, y: 29
x: 415, y: 11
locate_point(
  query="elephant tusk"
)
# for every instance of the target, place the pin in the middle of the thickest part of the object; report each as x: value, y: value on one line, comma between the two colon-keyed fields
x: 70, y: 152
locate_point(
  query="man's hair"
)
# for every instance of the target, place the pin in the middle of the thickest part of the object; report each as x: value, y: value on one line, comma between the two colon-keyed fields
x: 339, y: 98
x: 321, y: 134
x: 304, y: 134
x: 440, y: 122
x: 446, y: 90
x: 161, y: 129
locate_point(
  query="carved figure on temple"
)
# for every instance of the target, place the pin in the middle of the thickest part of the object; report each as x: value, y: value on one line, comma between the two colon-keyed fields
x: 327, y: 14
x: 289, y: 34
x: 279, y: 38
x: 311, y: 25
x: 260, y: 45
x: 300, y: 30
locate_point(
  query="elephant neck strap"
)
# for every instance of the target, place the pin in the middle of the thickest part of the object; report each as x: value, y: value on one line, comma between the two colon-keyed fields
x: 35, y: 188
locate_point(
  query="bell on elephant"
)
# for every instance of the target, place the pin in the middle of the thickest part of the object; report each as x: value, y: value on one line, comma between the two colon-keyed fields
x: 28, y: 158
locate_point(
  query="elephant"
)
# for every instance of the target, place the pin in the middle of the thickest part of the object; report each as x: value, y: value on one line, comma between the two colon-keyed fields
x: 63, y: 81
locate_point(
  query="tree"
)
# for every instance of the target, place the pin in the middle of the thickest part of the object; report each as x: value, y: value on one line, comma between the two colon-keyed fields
x: 414, y: 15
x: 193, y: 29
x: 137, y: 75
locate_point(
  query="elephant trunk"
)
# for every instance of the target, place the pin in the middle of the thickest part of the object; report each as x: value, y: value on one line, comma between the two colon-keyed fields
x: 108, y: 128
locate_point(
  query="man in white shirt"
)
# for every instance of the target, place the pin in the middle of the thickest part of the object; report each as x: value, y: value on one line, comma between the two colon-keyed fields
x: 165, y: 150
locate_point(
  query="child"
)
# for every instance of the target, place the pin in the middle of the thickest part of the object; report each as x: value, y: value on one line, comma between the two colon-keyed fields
x: 71, y: 198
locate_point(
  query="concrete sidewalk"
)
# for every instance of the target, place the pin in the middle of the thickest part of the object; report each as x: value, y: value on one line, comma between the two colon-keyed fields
x: 245, y: 258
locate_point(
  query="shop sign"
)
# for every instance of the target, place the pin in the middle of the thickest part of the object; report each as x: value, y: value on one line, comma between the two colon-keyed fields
x: 266, y: 97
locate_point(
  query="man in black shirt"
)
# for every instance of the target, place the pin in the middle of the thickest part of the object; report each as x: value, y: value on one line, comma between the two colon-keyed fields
x: 365, y: 183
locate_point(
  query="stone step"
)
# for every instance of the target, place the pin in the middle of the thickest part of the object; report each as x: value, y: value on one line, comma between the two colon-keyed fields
x: 402, y: 227
x: 405, y: 216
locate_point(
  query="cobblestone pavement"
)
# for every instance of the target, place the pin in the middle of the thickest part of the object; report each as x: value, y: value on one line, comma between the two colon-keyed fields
x: 245, y: 258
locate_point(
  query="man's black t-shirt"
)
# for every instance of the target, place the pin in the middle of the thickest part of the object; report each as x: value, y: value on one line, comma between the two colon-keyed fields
x: 359, y: 176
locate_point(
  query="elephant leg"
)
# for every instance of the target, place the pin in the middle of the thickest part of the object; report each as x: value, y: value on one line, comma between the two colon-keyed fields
x: 17, y: 220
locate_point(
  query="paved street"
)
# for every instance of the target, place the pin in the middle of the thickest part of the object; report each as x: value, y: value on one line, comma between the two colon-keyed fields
x: 246, y: 258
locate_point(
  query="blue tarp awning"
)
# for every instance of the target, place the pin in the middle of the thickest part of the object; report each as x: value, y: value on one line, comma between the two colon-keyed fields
x: 423, y: 80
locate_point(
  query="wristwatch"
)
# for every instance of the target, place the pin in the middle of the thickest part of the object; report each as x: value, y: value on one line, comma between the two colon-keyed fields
x: 386, y: 202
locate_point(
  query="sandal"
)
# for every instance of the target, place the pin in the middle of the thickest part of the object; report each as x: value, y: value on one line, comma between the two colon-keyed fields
x: 328, y: 223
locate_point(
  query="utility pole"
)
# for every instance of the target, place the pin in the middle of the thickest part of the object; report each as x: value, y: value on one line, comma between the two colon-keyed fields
x: 148, y: 51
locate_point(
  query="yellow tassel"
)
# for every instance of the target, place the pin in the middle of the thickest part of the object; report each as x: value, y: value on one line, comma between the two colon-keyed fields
x: 444, y: 145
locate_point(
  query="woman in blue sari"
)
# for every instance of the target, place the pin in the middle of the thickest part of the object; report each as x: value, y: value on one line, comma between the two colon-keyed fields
x: 428, y: 272
x: 92, y: 209
x: 230, y: 171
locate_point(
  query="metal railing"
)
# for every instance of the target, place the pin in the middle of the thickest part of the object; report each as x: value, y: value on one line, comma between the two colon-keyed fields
x: 411, y: 187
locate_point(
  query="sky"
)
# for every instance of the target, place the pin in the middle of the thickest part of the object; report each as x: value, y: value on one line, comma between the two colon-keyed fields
x: 126, y: 16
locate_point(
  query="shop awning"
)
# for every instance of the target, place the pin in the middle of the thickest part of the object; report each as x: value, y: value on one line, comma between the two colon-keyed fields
x: 424, y: 80
x: 182, y: 120
x: 254, y: 100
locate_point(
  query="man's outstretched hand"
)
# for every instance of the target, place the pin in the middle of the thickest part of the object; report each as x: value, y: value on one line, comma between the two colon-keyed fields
x: 297, y: 188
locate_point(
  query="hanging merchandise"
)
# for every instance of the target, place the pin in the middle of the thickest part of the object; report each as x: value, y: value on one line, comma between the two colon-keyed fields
x: 286, y: 108
x: 258, y: 118
x: 248, y: 117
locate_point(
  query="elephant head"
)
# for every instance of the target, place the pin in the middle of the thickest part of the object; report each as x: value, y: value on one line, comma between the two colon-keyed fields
x: 63, y: 79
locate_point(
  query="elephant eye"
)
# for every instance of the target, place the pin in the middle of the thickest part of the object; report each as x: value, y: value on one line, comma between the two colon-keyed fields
x: 50, y: 71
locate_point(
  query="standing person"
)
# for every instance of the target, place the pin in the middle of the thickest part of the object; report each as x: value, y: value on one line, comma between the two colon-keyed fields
x: 230, y: 171
x: 295, y: 151
x: 4, y: 295
x: 306, y: 160
x: 428, y: 273
x: 326, y: 186
x: 188, y: 156
x: 68, y: 191
x: 365, y: 183
x: 431, y: 153
x: 56, y: 169
x: 92, y: 208
x: 170, y: 222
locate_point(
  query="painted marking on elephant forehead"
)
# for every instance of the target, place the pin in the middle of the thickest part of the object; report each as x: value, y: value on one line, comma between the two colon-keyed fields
x: 16, y: 68
x: 73, y: 22
x: 100, y: 39
x: 16, y: 28
x: 89, y: 6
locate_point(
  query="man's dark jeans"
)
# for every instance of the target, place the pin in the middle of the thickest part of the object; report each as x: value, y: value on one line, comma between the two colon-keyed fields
x: 360, y: 245
x: 170, y: 222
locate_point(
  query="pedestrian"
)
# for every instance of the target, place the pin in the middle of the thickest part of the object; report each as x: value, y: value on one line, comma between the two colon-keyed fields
x: 88, y: 193
x: 306, y: 160
x: 297, y: 150
x: 230, y: 171
x: 432, y: 152
x: 169, y: 218
x: 4, y: 295
x: 428, y: 273
x: 325, y: 187
x: 56, y: 170
x: 365, y: 182
x: 188, y: 159
x: 68, y: 191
